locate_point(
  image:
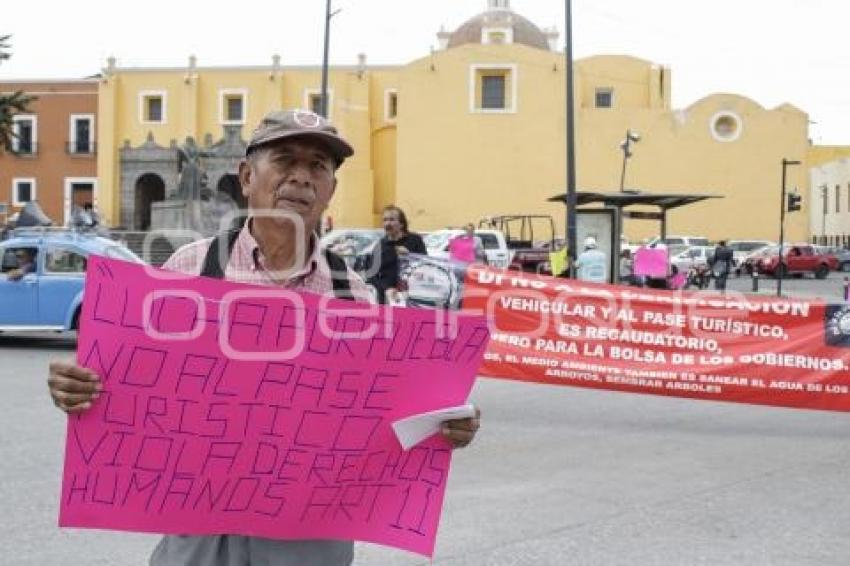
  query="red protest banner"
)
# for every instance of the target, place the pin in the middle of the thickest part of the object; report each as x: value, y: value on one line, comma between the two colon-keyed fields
x: 734, y: 347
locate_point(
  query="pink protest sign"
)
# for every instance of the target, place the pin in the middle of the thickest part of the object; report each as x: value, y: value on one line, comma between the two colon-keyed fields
x: 651, y: 262
x: 233, y: 409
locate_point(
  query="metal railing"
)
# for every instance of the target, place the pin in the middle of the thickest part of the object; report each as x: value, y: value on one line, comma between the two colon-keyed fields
x: 81, y: 147
x: 24, y: 148
x: 43, y: 230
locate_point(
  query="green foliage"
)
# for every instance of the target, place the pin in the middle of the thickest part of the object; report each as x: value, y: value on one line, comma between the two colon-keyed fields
x: 4, y: 46
x: 10, y: 104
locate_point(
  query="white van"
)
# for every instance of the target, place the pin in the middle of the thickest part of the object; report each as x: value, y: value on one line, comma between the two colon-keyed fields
x: 680, y: 241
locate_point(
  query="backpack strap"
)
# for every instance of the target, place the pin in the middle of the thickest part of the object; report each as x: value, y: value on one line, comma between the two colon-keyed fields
x: 339, y: 276
x: 219, y: 251
x: 221, y: 247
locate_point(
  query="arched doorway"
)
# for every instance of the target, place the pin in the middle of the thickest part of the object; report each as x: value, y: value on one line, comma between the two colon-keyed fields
x: 150, y: 188
x: 229, y: 185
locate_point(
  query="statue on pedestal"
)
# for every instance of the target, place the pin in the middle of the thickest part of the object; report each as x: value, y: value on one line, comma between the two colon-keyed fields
x: 192, y: 177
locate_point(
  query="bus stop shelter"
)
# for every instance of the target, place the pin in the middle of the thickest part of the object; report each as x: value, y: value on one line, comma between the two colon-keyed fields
x: 637, y: 205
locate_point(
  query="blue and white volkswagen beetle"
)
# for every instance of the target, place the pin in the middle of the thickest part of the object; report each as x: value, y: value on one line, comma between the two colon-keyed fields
x: 42, y: 276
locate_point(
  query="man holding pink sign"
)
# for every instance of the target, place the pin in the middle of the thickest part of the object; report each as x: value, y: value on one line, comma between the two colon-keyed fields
x: 288, y: 178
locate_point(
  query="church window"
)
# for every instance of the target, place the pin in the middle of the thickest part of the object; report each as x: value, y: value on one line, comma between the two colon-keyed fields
x: 493, y: 88
x: 497, y: 35
x: 313, y: 101
x: 493, y: 92
x: 390, y: 105
x: 725, y: 126
x: 604, y: 98
x: 152, y: 107
x: 232, y: 106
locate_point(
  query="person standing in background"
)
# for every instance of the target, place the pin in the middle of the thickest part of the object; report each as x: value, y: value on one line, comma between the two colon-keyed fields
x: 591, y: 264
x: 467, y: 247
x: 398, y: 241
x: 721, y: 265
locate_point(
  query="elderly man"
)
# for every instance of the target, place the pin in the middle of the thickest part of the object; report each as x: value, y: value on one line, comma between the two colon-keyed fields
x: 288, y: 177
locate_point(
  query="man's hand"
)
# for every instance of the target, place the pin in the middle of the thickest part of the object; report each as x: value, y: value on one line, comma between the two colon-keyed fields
x: 460, y: 432
x: 401, y: 250
x: 72, y: 387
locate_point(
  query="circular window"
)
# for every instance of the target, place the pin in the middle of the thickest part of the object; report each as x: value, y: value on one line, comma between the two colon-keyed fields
x: 726, y: 126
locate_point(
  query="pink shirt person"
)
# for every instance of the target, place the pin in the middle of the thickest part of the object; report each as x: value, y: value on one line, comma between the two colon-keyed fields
x: 467, y: 247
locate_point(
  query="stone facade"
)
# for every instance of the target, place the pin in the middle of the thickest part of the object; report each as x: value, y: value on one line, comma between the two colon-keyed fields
x: 138, y: 165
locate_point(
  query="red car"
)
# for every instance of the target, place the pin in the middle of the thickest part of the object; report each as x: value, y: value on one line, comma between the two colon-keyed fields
x: 797, y: 258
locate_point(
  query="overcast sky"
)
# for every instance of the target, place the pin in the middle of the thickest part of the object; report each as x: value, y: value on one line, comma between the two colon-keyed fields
x: 773, y: 51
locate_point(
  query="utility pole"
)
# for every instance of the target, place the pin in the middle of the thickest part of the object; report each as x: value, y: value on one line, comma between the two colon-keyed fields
x: 780, y: 266
x: 328, y: 15
x: 572, y: 202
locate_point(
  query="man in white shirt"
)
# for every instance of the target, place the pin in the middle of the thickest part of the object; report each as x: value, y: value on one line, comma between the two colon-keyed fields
x: 592, y: 265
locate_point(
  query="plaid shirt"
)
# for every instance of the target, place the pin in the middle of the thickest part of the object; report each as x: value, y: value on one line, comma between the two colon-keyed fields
x: 247, y: 265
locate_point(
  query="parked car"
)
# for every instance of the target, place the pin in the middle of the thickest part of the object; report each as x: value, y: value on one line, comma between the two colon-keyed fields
x: 695, y: 256
x: 796, y: 259
x: 677, y: 244
x: 353, y: 245
x: 494, y: 243
x: 750, y: 261
x: 742, y: 248
x: 430, y: 282
x: 842, y: 256
x: 47, y: 294
x: 671, y: 241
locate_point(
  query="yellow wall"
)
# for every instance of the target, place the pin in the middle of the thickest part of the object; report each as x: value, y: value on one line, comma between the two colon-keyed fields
x: 678, y: 154
x: 192, y: 109
x: 455, y: 166
x: 636, y: 83
x: 383, y: 139
x: 448, y: 165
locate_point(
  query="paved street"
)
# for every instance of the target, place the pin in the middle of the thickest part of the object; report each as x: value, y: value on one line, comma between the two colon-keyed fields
x: 831, y: 288
x: 558, y: 476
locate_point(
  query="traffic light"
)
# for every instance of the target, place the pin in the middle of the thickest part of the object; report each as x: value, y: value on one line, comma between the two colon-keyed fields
x: 794, y: 201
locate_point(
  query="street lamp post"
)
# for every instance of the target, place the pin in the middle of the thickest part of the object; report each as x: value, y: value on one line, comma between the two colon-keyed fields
x: 625, y: 145
x: 323, y: 107
x: 784, y: 205
x: 572, y: 200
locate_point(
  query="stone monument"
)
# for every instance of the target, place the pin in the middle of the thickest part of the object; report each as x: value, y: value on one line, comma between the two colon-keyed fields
x: 193, y: 206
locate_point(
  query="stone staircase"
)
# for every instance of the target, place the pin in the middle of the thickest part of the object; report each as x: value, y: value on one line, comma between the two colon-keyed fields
x: 157, y: 250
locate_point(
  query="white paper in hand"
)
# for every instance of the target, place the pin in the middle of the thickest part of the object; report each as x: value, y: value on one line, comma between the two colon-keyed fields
x: 412, y: 430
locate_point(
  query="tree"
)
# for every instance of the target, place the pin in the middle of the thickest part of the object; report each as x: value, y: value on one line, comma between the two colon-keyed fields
x: 10, y: 104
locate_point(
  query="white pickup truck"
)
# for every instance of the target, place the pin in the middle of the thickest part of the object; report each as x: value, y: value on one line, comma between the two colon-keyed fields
x: 495, y: 245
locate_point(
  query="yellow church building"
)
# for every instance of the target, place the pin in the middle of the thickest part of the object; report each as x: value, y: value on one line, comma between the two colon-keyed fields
x: 475, y: 128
